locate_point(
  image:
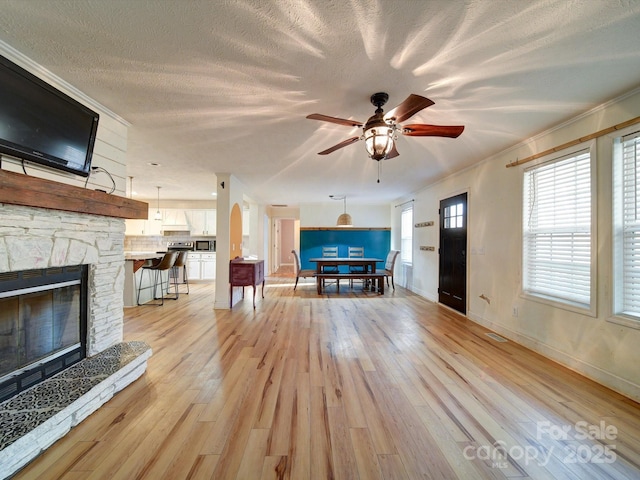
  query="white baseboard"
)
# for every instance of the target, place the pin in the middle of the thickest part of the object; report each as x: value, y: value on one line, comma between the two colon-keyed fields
x: 593, y: 372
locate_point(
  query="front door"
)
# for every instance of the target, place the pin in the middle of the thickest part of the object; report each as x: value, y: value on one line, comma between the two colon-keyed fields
x: 452, y: 289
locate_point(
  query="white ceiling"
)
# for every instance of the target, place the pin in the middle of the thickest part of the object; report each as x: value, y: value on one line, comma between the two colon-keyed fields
x: 224, y: 86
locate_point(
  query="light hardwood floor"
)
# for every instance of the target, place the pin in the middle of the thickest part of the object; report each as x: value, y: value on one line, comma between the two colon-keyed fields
x: 349, y: 385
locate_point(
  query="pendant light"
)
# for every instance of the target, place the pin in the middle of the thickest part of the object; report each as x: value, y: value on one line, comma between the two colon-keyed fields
x: 344, y: 220
x: 158, y: 214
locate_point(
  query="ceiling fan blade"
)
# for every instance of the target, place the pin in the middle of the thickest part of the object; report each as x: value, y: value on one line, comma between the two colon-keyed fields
x: 412, y: 105
x: 340, y: 121
x: 422, y: 130
x: 393, y: 153
x: 348, y: 141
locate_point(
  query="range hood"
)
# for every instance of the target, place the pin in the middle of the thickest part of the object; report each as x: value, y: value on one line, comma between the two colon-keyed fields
x: 174, y: 228
x: 174, y: 221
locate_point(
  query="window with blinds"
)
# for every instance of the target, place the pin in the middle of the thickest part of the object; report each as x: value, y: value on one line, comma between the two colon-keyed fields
x: 557, y: 231
x: 627, y: 225
x: 406, y: 235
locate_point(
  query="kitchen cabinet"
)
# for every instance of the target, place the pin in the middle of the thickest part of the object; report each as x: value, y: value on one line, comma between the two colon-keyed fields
x: 201, y: 266
x: 144, y: 227
x: 208, y: 266
x: 193, y: 266
x: 135, y: 227
x: 202, y: 222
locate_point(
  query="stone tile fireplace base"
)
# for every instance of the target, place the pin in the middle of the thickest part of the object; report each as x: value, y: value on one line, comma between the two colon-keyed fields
x: 33, y: 420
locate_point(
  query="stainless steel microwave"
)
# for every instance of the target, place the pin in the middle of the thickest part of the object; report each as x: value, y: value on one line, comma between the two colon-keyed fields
x: 205, y: 245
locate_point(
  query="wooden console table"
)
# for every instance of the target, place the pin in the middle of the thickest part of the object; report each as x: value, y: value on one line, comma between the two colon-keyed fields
x: 244, y: 273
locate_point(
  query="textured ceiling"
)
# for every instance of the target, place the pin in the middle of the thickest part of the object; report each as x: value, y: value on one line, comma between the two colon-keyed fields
x: 224, y: 86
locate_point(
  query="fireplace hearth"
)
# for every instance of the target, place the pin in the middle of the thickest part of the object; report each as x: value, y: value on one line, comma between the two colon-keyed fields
x: 43, y: 325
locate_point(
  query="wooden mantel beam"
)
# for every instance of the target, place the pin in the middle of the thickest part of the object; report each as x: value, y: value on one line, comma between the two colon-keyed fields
x: 19, y: 189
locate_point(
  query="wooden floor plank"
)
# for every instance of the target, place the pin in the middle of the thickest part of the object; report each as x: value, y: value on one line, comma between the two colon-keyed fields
x: 343, y: 385
x: 366, y: 457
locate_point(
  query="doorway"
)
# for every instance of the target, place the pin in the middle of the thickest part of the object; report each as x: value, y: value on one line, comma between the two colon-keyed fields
x: 283, y: 243
x: 452, y: 288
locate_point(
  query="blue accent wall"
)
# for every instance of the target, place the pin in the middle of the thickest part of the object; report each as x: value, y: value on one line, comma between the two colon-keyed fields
x: 376, y: 243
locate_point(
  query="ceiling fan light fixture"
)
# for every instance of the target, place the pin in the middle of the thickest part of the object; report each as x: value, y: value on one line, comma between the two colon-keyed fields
x: 380, y: 132
x: 379, y: 141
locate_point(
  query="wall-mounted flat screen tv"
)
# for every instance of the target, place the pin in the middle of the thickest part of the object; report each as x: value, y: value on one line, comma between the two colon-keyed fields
x: 40, y: 124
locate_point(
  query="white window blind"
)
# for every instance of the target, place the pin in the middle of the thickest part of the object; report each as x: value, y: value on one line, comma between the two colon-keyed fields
x: 406, y: 235
x: 628, y: 263
x: 557, y: 230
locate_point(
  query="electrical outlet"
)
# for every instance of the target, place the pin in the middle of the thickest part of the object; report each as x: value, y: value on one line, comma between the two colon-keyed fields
x: 514, y: 312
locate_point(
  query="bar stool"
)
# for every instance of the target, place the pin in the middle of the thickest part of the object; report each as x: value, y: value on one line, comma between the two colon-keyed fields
x: 181, y: 262
x: 157, y: 270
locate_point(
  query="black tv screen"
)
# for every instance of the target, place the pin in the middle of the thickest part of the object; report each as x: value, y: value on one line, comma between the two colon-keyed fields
x: 40, y: 124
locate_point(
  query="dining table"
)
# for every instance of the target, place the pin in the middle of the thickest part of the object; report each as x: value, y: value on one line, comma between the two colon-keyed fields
x: 369, y: 263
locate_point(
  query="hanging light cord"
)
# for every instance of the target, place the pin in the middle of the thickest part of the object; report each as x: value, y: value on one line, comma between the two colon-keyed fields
x: 158, y: 214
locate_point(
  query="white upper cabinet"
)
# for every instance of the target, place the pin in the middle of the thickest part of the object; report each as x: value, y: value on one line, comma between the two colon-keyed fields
x: 202, y: 222
x: 136, y: 227
x: 198, y: 222
x: 154, y: 227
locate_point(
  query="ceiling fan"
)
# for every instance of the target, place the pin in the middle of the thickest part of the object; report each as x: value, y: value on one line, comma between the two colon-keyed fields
x: 380, y: 131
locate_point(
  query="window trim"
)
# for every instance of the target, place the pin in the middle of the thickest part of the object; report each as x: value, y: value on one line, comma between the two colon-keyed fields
x: 406, y: 209
x: 592, y: 310
x: 615, y: 316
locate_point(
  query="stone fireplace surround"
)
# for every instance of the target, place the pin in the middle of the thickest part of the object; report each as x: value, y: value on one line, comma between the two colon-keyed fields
x: 32, y: 238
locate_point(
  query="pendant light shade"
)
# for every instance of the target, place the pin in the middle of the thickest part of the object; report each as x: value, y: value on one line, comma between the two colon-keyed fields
x: 344, y: 220
x: 158, y: 214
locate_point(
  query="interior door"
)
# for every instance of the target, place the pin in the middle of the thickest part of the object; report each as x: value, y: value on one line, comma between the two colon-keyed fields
x: 452, y: 289
x: 276, y: 244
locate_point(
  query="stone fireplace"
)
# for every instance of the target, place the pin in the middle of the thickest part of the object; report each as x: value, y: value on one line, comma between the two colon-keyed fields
x: 43, y: 325
x: 35, y: 236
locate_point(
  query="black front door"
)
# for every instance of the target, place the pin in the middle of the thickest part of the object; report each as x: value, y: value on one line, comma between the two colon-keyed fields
x: 452, y: 290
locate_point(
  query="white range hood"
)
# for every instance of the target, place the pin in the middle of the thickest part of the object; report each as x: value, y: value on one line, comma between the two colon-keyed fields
x: 174, y: 228
x: 174, y: 221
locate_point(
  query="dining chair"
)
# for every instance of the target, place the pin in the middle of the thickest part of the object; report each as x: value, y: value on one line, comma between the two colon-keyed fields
x: 389, y: 266
x: 330, y: 252
x: 356, y: 252
x: 298, y: 271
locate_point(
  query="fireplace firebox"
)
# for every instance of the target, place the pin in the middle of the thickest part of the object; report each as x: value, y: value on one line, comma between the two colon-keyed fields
x: 43, y: 325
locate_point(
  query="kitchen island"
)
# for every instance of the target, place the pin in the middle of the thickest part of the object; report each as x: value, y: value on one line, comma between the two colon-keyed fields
x: 133, y: 262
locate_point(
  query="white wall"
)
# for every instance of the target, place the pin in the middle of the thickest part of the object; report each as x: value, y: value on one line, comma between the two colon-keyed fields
x: 596, y: 347
x: 229, y: 195
x: 326, y: 214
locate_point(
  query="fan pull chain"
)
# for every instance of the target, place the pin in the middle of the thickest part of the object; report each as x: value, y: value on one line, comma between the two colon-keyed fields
x: 379, y: 171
